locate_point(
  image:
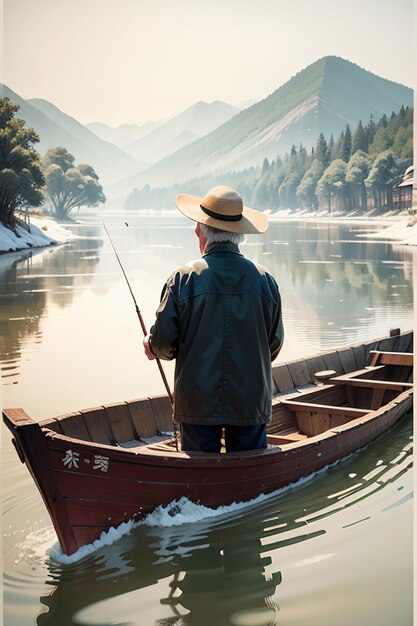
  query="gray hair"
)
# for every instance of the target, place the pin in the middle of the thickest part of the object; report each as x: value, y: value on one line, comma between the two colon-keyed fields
x: 215, y: 234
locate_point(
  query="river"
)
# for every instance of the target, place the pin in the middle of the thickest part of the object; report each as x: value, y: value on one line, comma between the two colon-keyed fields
x: 334, y: 551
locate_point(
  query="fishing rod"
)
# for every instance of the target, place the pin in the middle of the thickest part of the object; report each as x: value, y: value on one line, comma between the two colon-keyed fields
x: 142, y: 323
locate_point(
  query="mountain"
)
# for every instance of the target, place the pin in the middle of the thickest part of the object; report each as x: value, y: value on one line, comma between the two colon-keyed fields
x: 322, y: 98
x: 244, y: 104
x: 184, y: 128
x: 121, y: 135
x: 55, y: 128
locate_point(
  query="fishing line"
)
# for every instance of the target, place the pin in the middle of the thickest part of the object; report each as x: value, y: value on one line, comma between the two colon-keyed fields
x: 143, y: 326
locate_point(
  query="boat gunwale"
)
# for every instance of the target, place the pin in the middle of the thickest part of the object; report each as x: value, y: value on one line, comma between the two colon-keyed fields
x: 283, y: 463
x: 149, y: 454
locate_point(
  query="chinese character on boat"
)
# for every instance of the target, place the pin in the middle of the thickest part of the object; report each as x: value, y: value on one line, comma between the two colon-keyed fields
x: 71, y: 458
x: 101, y: 462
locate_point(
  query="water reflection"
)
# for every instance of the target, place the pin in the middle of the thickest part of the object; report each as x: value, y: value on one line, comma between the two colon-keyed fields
x: 31, y: 282
x: 66, y: 312
x: 21, y: 308
x: 238, y: 569
x: 69, y: 338
x: 206, y: 576
x: 327, y: 274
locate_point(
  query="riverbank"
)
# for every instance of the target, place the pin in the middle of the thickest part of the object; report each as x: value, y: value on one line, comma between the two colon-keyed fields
x: 400, y: 227
x: 405, y: 232
x: 44, y: 232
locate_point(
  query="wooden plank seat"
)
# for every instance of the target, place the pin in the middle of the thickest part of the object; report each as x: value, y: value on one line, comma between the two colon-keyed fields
x: 370, y: 382
x: 366, y: 371
x: 324, y: 408
x: 313, y: 418
x: 282, y: 438
x: 379, y: 387
x: 379, y: 357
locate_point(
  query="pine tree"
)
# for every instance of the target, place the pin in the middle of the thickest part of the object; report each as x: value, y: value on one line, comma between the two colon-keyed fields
x: 338, y: 151
x: 370, y: 129
x: 360, y: 139
x: 381, y: 141
x: 347, y: 144
x: 330, y: 150
x: 266, y: 166
x: 321, y: 149
x: 384, y: 121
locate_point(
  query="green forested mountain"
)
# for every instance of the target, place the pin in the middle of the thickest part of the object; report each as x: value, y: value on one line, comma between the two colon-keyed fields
x: 324, y: 97
x: 357, y: 171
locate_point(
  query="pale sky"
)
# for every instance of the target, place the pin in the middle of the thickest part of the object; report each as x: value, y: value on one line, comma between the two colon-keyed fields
x: 130, y: 61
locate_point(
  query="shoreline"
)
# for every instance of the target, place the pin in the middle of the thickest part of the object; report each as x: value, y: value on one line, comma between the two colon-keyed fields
x: 401, y: 228
x: 44, y: 232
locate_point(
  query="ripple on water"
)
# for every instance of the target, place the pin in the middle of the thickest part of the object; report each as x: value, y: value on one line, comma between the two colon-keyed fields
x: 189, y: 538
x: 370, y: 477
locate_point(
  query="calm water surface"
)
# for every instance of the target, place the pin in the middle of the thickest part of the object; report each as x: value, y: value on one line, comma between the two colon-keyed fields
x: 334, y: 551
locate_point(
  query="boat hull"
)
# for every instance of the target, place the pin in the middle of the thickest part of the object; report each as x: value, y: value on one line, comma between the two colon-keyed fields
x: 88, y: 487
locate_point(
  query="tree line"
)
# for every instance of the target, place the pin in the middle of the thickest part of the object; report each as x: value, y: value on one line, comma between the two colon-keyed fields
x: 28, y: 180
x: 356, y: 171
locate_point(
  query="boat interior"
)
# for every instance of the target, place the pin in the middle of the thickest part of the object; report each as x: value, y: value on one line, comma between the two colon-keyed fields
x: 311, y: 396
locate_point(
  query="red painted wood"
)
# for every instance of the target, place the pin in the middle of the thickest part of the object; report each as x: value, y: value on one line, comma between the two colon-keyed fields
x: 96, y: 513
x: 33, y: 443
x: 87, y: 534
x: 81, y: 498
x: 282, y: 470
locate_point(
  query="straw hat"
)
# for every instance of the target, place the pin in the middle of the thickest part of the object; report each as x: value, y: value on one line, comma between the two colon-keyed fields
x: 222, y: 208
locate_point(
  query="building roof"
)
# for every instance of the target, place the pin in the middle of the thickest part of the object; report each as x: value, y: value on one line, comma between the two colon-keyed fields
x: 408, y: 178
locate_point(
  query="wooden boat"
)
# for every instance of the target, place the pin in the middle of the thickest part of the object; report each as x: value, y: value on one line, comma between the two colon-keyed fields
x: 98, y: 467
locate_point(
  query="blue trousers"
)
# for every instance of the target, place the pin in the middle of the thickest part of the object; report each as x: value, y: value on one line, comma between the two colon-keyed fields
x: 202, y: 438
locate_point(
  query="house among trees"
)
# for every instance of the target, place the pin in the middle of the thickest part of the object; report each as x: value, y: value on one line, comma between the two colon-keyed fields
x: 402, y: 194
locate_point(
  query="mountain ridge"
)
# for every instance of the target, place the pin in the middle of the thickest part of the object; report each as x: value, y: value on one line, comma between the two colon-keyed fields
x: 56, y: 128
x: 122, y: 134
x: 323, y: 97
x: 190, y: 124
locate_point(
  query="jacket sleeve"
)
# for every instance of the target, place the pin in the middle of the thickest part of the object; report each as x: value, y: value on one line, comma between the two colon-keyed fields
x: 164, y: 339
x: 277, y: 332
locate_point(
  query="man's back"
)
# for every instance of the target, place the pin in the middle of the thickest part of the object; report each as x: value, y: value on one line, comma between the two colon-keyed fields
x: 220, y: 317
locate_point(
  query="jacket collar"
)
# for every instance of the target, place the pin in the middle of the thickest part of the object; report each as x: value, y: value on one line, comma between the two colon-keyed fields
x: 221, y: 246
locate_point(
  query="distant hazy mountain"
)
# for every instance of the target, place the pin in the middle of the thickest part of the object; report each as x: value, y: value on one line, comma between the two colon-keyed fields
x: 55, y: 128
x: 194, y: 122
x: 121, y: 135
x: 322, y: 98
x: 244, y: 104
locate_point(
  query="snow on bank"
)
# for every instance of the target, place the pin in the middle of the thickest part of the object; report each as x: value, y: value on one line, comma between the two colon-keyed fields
x: 402, y: 232
x: 43, y: 232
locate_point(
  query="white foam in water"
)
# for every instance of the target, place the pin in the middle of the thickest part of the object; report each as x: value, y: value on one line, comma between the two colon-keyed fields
x: 35, y: 544
x: 106, y: 539
x: 176, y: 513
x: 184, y: 511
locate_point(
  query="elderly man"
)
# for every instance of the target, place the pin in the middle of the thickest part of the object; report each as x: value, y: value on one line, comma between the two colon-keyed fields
x: 220, y: 318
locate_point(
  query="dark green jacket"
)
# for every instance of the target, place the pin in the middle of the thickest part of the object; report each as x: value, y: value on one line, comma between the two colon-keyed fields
x: 220, y: 318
